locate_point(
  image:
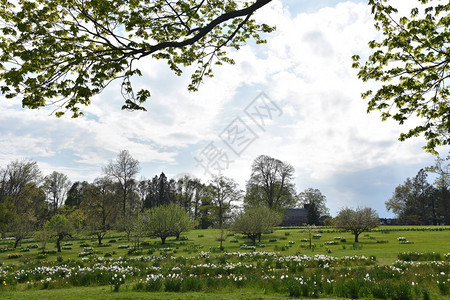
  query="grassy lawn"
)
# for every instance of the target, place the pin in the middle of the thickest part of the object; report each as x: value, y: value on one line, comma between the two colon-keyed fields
x: 382, y: 243
x: 381, y: 248
x: 101, y: 292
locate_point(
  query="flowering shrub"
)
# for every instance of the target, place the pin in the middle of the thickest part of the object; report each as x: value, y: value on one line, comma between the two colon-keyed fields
x: 244, y: 246
x: 117, y: 281
x: 331, y: 243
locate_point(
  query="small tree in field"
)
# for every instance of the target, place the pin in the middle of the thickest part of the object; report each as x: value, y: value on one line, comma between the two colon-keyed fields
x: 59, y: 227
x: 255, y: 221
x: 181, y: 221
x: 357, y: 221
x: 167, y: 220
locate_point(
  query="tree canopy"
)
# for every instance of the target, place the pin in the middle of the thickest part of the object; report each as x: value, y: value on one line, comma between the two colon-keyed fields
x: 412, y: 64
x: 315, y: 202
x: 64, y: 52
x: 416, y: 202
x: 256, y: 220
x: 271, y: 183
x: 357, y: 221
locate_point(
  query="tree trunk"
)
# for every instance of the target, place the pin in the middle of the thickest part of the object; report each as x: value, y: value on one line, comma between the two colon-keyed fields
x: 16, y: 242
x: 356, y: 237
x: 99, y: 237
x: 58, y: 244
x: 163, y: 240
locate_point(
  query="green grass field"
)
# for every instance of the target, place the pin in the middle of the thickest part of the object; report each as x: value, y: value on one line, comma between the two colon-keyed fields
x: 381, y: 245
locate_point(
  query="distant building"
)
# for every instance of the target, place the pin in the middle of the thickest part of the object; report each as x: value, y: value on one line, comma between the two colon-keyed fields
x: 295, y: 217
x: 388, y: 221
x: 299, y: 217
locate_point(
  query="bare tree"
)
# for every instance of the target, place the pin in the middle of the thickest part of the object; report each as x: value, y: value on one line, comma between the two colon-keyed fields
x: 16, y: 175
x: 222, y: 192
x: 271, y: 183
x: 56, y: 186
x: 99, y: 207
x: 123, y: 169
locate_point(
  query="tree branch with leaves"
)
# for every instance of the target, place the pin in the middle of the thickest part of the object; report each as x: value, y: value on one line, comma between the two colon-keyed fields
x: 62, y: 53
x: 412, y: 63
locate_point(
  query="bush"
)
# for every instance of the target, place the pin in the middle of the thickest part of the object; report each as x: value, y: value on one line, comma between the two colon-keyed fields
x: 172, y: 285
x: 151, y: 284
x: 382, y: 242
x: 191, y: 284
x: 331, y: 243
x: 247, y: 247
x: 415, y: 256
x: 357, y: 246
x: 14, y: 255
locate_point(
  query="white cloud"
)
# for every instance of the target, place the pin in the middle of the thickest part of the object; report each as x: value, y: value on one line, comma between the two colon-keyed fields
x: 305, y: 68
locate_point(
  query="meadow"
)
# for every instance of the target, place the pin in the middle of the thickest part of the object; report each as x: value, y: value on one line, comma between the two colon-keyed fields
x: 390, y: 262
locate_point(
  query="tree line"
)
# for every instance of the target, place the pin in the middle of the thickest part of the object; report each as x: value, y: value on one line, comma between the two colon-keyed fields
x: 417, y: 202
x: 117, y: 200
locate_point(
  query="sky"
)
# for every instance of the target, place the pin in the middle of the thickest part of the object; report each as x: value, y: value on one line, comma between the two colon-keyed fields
x: 296, y: 99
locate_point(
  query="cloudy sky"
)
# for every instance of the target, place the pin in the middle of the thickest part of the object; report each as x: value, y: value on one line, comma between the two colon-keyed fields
x: 296, y: 99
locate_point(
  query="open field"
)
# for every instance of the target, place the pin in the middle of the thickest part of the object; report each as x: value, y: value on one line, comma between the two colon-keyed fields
x: 281, y: 266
